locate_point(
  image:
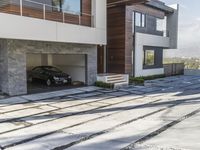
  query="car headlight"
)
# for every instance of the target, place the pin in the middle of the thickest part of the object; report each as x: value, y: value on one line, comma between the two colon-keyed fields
x: 69, y: 77
x: 55, y: 78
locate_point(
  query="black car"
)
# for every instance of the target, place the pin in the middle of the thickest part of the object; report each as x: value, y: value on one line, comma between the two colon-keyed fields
x: 49, y: 74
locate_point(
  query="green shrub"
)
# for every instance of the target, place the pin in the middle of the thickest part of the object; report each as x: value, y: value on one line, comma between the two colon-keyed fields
x: 141, y: 80
x: 154, y: 77
x: 104, y: 85
x: 136, y: 80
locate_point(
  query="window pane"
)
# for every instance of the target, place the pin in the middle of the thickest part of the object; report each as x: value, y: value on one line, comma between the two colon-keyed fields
x: 143, y: 20
x: 71, y: 5
x: 56, y: 5
x: 149, y: 57
x: 161, y: 24
x: 138, y: 19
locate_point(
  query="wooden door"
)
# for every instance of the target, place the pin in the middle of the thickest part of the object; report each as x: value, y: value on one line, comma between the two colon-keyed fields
x: 100, y: 59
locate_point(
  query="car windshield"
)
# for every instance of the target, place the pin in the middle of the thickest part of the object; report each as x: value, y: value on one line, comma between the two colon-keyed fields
x: 52, y: 69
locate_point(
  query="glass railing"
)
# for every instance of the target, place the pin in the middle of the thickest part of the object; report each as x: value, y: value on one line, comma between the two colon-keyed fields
x: 38, y: 10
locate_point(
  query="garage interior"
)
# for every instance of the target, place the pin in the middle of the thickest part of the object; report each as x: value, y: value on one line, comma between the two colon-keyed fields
x: 72, y: 64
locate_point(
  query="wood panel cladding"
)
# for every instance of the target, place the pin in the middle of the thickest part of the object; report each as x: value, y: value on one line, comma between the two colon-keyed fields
x: 85, y: 18
x: 116, y: 39
x: 120, y: 40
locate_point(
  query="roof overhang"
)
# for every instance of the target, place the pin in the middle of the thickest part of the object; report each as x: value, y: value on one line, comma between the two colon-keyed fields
x: 112, y: 3
x: 160, y: 5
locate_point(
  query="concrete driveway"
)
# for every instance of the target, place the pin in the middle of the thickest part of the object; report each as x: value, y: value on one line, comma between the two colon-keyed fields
x: 165, y: 114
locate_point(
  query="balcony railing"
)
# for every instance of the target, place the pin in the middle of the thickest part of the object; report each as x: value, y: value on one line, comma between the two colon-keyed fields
x: 38, y: 10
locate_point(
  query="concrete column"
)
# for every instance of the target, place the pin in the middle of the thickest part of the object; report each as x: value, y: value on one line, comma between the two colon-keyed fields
x: 3, y: 66
x: 92, y: 66
x: 13, y: 67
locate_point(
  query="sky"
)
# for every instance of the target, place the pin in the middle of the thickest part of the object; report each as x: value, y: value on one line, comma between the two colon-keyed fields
x: 189, y: 29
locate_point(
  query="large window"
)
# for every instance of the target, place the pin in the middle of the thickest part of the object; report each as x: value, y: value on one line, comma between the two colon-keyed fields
x: 161, y: 24
x: 140, y: 19
x: 71, y: 6
x: 149, y: 57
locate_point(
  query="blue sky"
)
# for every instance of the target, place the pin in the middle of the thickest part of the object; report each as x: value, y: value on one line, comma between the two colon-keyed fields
x: 189, y: 27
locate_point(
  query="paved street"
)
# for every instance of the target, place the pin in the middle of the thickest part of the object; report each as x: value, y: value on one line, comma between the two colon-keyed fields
x: 162, y: 115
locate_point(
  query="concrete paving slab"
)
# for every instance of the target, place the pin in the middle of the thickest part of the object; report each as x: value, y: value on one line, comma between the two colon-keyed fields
x: 4, y: 127
x: 46, y: 143
x: 11, y: 101
x: 117, y: 93
x: 24, y: 113
x: 118, y: 107
x: 15, y: 107
x: 182, y: 136
x: 48, y: 95
x: 29, y: 132
x: 121, y: 137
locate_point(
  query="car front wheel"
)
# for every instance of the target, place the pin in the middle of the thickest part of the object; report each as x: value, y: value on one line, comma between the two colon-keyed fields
x: 48, y: 82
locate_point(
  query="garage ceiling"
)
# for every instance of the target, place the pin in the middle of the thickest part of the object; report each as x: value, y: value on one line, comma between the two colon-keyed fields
x: 111, y: 3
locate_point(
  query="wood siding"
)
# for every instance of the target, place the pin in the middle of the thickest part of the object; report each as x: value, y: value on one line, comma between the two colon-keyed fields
x: 116, y: 40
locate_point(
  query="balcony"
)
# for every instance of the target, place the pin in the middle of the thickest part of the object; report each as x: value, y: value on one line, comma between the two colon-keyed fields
x: 43, y: 11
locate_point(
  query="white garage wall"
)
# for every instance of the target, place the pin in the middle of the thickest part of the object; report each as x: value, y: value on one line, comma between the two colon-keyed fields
x: 73, y: 65
x: 33, y: 60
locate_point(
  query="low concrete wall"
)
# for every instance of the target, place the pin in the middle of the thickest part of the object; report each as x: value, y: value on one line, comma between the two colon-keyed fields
x: 192, y: 72
x: 174, y: 69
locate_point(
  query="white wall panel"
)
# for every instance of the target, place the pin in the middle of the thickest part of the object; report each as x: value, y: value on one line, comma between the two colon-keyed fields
x: 147, y: 40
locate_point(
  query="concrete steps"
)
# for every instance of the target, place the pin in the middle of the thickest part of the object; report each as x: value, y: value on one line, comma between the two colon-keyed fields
x: 119, y: 80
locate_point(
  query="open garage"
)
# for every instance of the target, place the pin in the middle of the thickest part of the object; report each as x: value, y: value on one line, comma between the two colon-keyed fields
x: 72, y: 64
x: 18, y: 57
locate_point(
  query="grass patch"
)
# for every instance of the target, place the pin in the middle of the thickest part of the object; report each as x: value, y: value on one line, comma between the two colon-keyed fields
x: 104, y: 85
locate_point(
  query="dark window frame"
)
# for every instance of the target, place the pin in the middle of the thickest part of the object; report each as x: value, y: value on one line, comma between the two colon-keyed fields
x: 158, y: 62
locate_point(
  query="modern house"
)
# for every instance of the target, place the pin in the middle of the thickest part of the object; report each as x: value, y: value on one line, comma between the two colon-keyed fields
x: 62, y: 33
x: 137, y: 36
x: 83, y: 38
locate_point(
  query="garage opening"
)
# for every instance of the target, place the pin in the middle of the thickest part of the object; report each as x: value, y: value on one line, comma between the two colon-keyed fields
x: 73, y: 65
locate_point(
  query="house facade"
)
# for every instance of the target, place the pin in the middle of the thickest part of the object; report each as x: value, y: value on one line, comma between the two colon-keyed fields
x: 83, y: 38
x: 137, y: 36
x: 64, y: 34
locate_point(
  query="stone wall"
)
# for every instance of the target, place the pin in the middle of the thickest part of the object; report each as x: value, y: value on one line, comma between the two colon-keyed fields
x: 174, y: 69
x: 13, y: 61
x: 3, y: 65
